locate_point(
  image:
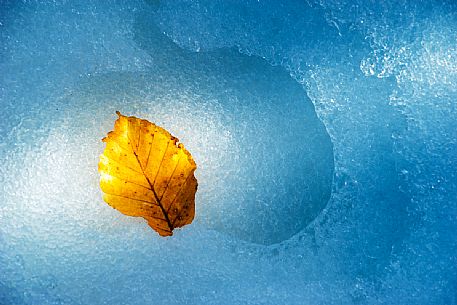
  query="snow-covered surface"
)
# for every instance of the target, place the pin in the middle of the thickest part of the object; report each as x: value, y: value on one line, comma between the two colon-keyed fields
x: 325, y: 134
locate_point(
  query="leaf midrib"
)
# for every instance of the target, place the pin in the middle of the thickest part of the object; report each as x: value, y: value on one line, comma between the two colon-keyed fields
x: 162, y: 208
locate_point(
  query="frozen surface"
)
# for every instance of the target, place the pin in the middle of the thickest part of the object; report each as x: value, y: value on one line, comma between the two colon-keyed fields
x: 325, y: 134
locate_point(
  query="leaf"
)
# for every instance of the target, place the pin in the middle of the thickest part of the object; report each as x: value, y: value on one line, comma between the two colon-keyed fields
x: 146, y: 173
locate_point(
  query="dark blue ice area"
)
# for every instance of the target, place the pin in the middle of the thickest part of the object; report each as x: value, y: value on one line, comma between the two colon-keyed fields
x: 325, y: 134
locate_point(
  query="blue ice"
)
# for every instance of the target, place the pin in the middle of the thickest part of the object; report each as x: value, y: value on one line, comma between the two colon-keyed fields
x: 325, y: 134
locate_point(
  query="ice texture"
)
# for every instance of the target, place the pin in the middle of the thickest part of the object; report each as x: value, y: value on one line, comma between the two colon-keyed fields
x: 324, y: 132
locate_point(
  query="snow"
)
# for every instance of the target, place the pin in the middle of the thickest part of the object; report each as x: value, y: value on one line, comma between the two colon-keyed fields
x: 324, y: 134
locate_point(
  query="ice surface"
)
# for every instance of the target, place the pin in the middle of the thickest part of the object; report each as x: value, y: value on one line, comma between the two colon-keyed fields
x: 334, y: 185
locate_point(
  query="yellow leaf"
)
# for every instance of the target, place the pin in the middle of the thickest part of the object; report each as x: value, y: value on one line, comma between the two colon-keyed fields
x: 145, y: 172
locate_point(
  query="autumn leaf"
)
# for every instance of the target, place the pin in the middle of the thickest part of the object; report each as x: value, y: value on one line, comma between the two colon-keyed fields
x: 145, y: 172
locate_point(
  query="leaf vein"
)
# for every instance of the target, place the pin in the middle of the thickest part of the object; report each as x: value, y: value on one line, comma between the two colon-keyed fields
x: 179, y: 192
x: 171, y: 176
x: 136, y: 199
x: 160, y: 165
